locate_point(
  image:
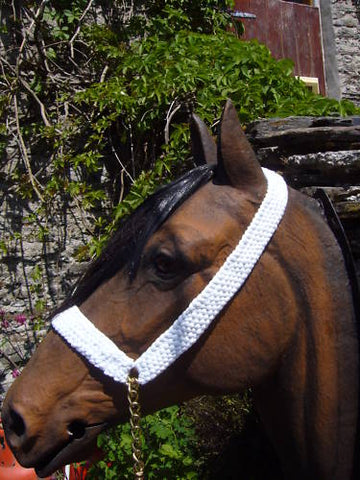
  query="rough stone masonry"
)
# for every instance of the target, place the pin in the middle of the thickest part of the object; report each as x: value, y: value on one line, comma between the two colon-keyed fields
x: 346, y: 16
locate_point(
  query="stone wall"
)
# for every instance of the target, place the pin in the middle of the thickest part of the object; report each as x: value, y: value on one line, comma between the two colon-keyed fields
x: 36, y: 269
x: 346, y: 15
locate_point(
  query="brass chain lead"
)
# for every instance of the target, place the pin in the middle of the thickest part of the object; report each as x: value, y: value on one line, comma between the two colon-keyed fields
x: 136, y: 433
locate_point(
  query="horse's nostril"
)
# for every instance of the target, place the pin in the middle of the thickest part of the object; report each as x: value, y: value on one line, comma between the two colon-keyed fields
x: 76, y: 429
x: 16, y: 424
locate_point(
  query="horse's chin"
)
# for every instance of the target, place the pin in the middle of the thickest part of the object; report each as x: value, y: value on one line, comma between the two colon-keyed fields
x: 76, y: 450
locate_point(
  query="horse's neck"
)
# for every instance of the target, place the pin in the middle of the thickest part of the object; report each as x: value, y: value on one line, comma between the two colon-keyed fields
x: 310, y: 405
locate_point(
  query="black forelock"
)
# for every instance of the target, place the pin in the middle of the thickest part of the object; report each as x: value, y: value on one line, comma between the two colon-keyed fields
x: 124, y: 249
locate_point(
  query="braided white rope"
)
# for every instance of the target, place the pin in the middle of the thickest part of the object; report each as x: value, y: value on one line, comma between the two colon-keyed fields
x: 100, y: 351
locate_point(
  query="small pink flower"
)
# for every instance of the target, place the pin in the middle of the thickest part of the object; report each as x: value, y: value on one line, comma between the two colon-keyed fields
x: 5, y: 324
x: 15, y: 373
x: 20, y: 319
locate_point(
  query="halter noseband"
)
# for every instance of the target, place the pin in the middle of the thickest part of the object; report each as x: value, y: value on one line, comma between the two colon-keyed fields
x: 100, y: 351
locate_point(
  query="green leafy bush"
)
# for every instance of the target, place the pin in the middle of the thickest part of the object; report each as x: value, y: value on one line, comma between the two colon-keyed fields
x: 201, y: 71
x: 157, y: 81
x: 179, y: 443
x: 169, y: 449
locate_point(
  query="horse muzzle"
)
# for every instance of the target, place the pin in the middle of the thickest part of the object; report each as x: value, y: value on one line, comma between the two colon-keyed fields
x: 76, y: 441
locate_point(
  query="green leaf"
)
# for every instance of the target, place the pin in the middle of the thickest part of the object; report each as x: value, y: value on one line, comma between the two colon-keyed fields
x: 169, y: 451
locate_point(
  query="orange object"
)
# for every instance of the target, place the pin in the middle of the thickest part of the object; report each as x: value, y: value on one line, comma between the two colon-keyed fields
x: 7, y: 459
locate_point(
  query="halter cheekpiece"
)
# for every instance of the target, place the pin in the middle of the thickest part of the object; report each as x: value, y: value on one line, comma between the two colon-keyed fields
x: 100, y: 351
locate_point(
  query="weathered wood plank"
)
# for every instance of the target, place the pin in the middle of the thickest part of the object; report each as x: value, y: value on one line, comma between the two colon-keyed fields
x: 316, y: 139
x: 337, y: 169
x: 262, y: 128
x: 316, y: 152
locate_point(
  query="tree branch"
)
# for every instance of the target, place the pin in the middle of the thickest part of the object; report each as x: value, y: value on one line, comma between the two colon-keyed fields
x: 77, y: 31
x: 34, y: 182
x: 9, y: 359
x: 37, y: 15
x: 42, y: 106
x: 169, y: 117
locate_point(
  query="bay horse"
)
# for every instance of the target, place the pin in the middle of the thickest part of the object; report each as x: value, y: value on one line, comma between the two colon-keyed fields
x: 289, y: 331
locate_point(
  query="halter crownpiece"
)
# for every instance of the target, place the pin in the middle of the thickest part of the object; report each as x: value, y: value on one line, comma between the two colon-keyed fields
x: 100, y: 351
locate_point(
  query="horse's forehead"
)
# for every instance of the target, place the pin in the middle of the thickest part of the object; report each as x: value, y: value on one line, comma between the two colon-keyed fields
x: 209, y: 213
x: 213, y: 204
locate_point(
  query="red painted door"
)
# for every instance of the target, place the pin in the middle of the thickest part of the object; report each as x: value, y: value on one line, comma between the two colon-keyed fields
x: 289, y: 30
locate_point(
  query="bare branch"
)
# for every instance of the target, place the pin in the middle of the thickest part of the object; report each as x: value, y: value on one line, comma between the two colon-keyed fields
x: 25, y: 84
x: 77, y: 31
x: 169, y: 117
x: 42, y: 106
x: 122, y: 186
x: 9, y: 359
x: 34, y: 182
x: 37, y: 15
x: 103, y: 74
x: 123, y: 169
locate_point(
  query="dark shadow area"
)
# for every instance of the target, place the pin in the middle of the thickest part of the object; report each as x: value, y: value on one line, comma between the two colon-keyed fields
x: 247, y: 456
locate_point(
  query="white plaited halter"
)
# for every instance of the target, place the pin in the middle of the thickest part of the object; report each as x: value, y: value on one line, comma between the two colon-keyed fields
x: 102, y: 352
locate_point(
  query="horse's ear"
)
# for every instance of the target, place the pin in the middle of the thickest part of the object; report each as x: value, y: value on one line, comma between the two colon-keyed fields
x: 203, y: 146
x: 237, y: 159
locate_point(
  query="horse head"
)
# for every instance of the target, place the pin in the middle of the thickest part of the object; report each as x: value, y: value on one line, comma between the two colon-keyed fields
x: 274, y: 333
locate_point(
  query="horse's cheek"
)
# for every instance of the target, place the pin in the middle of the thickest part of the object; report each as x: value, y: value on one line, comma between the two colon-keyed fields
x: 261, y: 335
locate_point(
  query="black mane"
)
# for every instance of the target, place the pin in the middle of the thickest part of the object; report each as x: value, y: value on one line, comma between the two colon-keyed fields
x: 125, y: 247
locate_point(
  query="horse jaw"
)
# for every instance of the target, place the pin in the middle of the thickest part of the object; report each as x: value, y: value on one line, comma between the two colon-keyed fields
x: 74, y: 451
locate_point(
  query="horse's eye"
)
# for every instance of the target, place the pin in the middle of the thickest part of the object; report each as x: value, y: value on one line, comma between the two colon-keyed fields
x: 165, y: 264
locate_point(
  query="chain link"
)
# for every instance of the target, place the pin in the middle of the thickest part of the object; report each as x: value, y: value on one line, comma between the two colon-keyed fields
x: 136, y: 433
